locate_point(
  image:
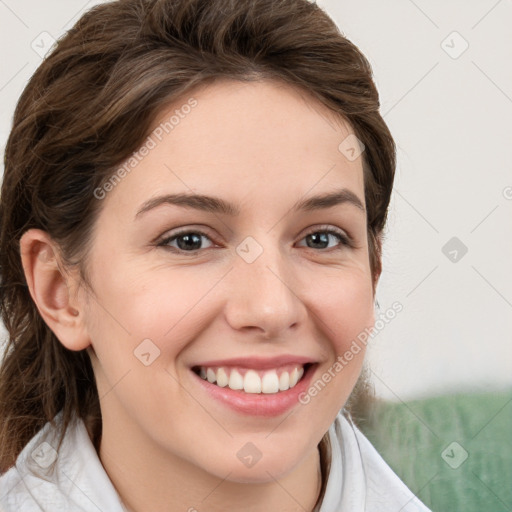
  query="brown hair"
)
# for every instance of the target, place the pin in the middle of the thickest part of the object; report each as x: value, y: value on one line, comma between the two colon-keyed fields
x: 90, y: 105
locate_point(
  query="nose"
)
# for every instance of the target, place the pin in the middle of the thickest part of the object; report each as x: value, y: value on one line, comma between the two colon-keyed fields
x: 264, y: 295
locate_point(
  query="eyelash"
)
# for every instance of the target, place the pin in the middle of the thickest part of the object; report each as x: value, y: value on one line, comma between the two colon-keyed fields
x: 345, y: 240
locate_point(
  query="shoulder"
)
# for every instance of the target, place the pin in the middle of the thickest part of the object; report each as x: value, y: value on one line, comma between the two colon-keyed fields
x: 31, y: 476
x: 70, y: 479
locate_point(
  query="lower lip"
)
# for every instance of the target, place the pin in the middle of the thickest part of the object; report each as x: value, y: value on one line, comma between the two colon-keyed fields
x: 258, y: 404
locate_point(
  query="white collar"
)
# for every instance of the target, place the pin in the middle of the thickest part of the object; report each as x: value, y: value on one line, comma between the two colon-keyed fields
x: 76, y: 481
x: 359, y: 478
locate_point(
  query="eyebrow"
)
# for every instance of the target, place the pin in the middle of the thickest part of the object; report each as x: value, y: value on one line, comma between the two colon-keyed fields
x: 217, y: 205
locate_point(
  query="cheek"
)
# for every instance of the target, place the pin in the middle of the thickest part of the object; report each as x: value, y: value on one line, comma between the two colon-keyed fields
x: 148, y: 319
x: 345, y: 305
x: 169, y: 308
x: 148, y: 302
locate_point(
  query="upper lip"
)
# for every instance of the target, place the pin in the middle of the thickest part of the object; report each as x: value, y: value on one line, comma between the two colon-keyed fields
x: 258, y: 363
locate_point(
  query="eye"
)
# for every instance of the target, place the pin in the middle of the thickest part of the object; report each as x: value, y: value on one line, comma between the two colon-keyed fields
x: 322, y: 236
x: 187, y: 241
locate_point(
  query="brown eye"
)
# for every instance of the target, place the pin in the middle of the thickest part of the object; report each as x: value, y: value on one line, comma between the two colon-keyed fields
x: 186, y: 241
x: 320, y: 239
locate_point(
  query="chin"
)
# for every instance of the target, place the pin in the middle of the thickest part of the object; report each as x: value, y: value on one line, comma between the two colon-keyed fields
x: 262, y: 466
x: 255, y: 475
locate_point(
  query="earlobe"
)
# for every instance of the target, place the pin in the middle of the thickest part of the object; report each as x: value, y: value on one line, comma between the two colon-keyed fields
x: 49, y: 288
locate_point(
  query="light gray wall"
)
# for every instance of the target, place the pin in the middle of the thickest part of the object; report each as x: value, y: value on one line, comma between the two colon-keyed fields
x: 450, y: 113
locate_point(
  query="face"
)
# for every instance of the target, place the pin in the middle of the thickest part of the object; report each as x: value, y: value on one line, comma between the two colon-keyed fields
x: 186, y: 289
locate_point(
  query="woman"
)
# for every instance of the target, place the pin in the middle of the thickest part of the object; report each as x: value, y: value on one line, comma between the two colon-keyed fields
x: 191, y: 222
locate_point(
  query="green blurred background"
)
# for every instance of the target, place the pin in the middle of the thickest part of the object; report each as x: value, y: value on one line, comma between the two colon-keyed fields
x: 454, y: 451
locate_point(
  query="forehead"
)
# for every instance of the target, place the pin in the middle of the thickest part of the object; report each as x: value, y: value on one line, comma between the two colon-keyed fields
x: 247, y: 141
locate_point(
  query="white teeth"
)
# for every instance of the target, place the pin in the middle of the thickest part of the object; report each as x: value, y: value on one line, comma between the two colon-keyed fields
x: 270, y: 382
x: 252, y: 381
x: 294, y: 377
x: 284, y: 381
x: 210, y: 375
x: 236, y: 381
x: 222, y: 378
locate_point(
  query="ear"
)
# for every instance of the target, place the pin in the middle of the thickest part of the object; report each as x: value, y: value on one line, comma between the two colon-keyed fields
x: 49, y: 287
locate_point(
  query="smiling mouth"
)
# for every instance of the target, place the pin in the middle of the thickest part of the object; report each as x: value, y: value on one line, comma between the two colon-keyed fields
x: 253, y: 381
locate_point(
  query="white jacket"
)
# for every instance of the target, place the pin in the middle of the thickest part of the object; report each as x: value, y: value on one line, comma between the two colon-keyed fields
x: 75, y: 481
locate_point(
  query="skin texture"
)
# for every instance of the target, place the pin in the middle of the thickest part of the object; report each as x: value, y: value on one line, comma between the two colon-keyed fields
x: 166, y: 445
